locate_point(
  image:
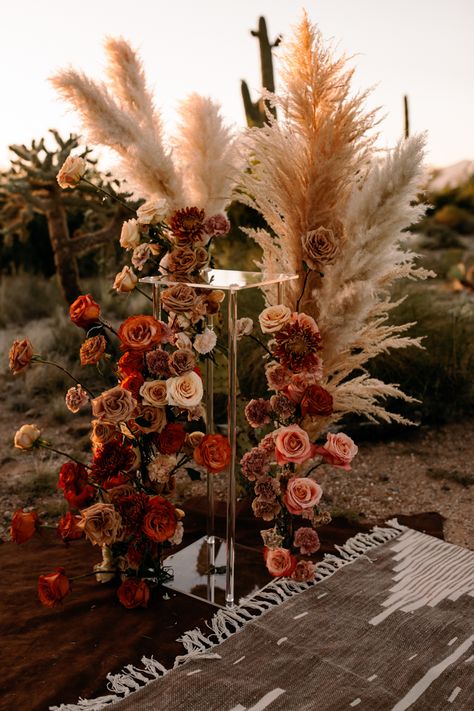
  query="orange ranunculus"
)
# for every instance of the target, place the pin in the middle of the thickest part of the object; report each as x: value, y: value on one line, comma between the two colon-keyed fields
x: 171, y: 438
x: 133, y: 383
x: 161, y: 519
x: 92, y: 350
x: 134, y: 593
x: 53, y: 588
x: 24, y: 525
x: 213, y: 452
x: 130, y: 362
x: 141, y: 333
x: 84, y: 311
x: 68, y: 528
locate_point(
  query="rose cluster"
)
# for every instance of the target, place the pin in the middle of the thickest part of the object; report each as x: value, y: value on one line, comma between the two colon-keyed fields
x: 175, y: 242
x: 281, y: 467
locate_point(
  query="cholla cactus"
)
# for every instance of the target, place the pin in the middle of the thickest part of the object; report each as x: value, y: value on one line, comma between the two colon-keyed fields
x: 30, y: 186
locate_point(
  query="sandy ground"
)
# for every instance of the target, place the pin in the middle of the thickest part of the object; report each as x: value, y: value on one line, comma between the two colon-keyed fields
x: 428, y: 469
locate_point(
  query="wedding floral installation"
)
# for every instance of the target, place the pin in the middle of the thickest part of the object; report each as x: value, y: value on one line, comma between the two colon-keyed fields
x: 335, y: 207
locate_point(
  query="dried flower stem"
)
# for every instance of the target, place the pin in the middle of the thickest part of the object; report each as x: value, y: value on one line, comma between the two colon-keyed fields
x: 39, y: 359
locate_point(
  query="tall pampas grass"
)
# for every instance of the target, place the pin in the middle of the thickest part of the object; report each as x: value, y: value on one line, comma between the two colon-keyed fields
x: 317, y: 167
x: 121, y: 115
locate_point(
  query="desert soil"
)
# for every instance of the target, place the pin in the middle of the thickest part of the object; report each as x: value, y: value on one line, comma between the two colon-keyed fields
x: 427, y: 469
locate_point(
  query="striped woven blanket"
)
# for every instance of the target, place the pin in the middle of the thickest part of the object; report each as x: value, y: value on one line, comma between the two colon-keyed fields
x: 389, y: 624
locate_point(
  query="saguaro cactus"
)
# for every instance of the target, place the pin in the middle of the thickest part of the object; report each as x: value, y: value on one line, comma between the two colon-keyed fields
x: 255, y: 110
x: 30, y: 186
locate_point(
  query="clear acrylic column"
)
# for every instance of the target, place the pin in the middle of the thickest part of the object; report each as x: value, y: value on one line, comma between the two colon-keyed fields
x: 210, y: 583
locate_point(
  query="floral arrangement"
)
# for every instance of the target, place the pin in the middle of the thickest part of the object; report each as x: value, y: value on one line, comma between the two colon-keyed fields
x: 149, y: 421
x: 335, y: 208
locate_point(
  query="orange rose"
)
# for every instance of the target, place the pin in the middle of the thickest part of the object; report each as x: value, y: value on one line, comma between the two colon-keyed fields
x: 53, y: 588
x: 141, y: 333
x: 24, y: 525
x: 133, y: 383
x: 92, y: 350
x: 213, y: 452
x: 20, y: 355
x: 161, y: 520
x: 68, y: 529
x: 279, y: 561
x: 171, y: 438
x: 133, y: 593
x: 130, y: 362
x: 84, y: 311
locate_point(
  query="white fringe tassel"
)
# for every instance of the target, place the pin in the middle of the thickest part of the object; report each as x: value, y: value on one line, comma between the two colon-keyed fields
x: 227, y: 622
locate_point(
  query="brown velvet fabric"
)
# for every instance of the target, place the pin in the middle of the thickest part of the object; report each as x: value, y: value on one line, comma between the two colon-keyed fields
x: 56, y: 656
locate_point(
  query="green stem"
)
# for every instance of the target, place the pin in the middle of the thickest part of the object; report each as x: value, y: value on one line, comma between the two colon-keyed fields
x: 304, y: 287
x: 39, y: 359
x: 109, y: 195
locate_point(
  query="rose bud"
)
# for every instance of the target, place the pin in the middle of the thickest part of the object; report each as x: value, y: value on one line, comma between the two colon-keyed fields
x: 53, y: 588
x: 84, y: 311
x: 24, y: 525
x: 27, y: 436
x: 71, y: 172
x: 134, y: 593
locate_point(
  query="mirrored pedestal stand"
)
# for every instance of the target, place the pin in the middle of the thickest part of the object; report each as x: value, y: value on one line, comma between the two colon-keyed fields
x: 207, y: 568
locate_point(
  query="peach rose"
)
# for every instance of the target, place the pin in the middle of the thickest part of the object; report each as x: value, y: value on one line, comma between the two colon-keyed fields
x: 316, y: 401
x: 141, y: 333
x: 102, y: 432
x: 274, y: 317
x: 20, y: 355
x: 302, y: 493
x: 339, y: 450
x: 279, y: 561
x: 24, y: 525
x: 27, y: 436
x: 114, y: 405
x: 92, y: 350
x: 153, y: 211
x: 101, y: 524
x: 179, y: 298
x: 130, y: 235
x: 71, y: 172
x: 125, y: 281
x: 292, y: 445
x: 84, y: 311
x: 181, y: 260
x: 185, y: 390
x: 154, y: 393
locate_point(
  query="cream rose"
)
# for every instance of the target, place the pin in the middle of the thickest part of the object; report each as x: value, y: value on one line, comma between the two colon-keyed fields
x: 152, y: 212
x: 154, y: 393
x: 292, y: 445
x: 244, y: 327
x: 185, y: 390
x: 101, y: 524
x: 71, y: 172
x: 273, y: 318
x: 26, y: 436
x: 126, y: 280
x: 130, y: 235
x: 302, y: 493
x: 114, y: 405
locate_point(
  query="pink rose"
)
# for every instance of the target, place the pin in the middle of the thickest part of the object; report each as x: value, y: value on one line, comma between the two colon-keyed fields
x: 279, y: 561
x: 339, y: 450
x: 292, y: 445
x: 302, y: 493
x: 298, y: 386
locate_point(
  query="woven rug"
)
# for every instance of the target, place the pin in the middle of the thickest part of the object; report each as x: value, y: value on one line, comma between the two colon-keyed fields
x: 388, y: 625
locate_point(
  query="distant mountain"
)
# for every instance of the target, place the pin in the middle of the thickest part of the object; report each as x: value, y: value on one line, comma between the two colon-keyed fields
x: 451, y: 175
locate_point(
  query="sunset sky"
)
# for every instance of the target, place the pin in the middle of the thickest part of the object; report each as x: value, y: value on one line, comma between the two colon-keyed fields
x: 422, y: 48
